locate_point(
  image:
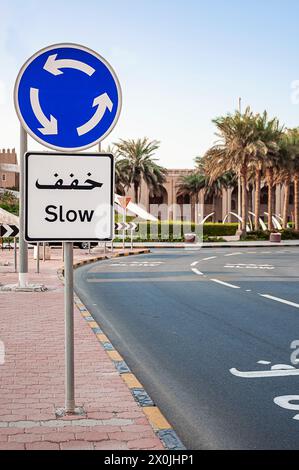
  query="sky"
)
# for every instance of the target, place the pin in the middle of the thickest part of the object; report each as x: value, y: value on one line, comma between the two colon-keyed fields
x: 180, y: 63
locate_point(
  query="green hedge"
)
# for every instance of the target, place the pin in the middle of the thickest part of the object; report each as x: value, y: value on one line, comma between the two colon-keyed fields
x: 220, y: 230
x: 177, y: 229
x: 286, y: 234
x: 13, y: 208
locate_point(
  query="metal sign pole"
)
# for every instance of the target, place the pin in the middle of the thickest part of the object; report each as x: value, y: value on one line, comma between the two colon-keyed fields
x: 15, y: 254
x: 69, y: 328
x: 23, y: 249
x: 37, y: 257
x: 124, y: 230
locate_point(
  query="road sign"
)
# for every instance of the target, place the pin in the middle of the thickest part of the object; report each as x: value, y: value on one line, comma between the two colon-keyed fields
x: 124, y: 201
x: 7, y: 230
x: 67, y: 97
x: 69, y: 197
x: 125, y: 226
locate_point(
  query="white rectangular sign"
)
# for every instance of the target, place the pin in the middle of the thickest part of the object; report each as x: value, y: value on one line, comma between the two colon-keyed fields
x: 69, y: 197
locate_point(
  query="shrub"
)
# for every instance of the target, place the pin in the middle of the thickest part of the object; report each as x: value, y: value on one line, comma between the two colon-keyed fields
x: 13, y: 208
x: 256, y: 235
x: 218, y: 229
x: 288, y: 234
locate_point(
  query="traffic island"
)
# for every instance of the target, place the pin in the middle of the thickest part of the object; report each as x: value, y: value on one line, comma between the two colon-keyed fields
x: 28, y: 288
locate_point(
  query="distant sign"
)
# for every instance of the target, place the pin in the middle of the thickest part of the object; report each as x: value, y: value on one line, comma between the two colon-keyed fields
x: 124, y: 201
x: 125, y: 226
x: 8, y: 230
x: 68, y: 197
x: 67, y: 97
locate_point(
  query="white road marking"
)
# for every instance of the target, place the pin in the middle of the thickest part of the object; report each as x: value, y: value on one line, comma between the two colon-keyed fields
x: 266, y: 252
x: 195, y: 263
x: 225, y: 284
x: 263, y: 362
x: 196, y: 271
x: 249, y: 266
x: 251, y: 252
x: 210, y: 257
x: 278, y: 299
x: 284, y: 402
x: 263, y: 373
x: 139, y: 264
x: 192, y: 249
x: 234, y: 254
x: 248, y: 290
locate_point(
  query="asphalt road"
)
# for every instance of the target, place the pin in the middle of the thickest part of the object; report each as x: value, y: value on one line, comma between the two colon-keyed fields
x: 190, y: 323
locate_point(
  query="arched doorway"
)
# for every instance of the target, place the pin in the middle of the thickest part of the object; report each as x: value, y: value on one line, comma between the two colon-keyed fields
x: 158, y: 204
x: 184, y: 209
x: 159, y: 198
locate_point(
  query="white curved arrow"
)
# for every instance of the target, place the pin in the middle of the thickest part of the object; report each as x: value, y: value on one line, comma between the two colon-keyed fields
x: 49, y: 125
x: 102, y: 102
x: 53, y: 65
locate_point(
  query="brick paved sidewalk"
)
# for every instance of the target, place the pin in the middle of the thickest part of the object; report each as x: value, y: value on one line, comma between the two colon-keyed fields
x: 32, y: 377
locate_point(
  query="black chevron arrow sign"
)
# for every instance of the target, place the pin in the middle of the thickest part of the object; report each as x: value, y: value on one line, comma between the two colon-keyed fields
x: 125, y: 226
x: 7, y: 230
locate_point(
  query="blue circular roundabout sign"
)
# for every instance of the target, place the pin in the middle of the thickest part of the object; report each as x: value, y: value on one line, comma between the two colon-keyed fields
x: 67, y: 97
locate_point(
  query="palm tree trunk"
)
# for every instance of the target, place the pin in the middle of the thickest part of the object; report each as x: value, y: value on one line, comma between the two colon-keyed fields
x: 192, y: 200
x: 270, y: 197
x: 196, y: 207
x: 257, y: 198
x: 244, y: 202
x: 136, y: 193
x: 286, y: 202
x: 296, y: 200
x: 214, y: 208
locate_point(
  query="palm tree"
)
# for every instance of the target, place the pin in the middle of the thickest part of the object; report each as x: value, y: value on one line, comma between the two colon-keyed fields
x: 283, y: 174
x: 120, y: 176
x: 295, y: 157
x: 137, y: 163
x: 247, y: 142
x: 268, y: 134
x: 237, y: 147
x: 195, y: 182
x: 289, y: 161
x: 191, y: 185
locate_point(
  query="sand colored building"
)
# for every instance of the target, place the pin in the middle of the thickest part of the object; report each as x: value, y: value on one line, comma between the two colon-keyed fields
x: 8, y: 180
x: 221, y: 206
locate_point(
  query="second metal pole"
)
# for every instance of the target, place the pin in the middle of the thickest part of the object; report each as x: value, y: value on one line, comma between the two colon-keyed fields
x: 124, y: 230
x: 15, y: 254
x: 37, y: 257
x: 23, y: 249
x: 69, y: 329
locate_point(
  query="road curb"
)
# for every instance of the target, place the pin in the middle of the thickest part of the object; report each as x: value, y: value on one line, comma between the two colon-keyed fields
x: 206, y: 245
x: 153, y: 414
